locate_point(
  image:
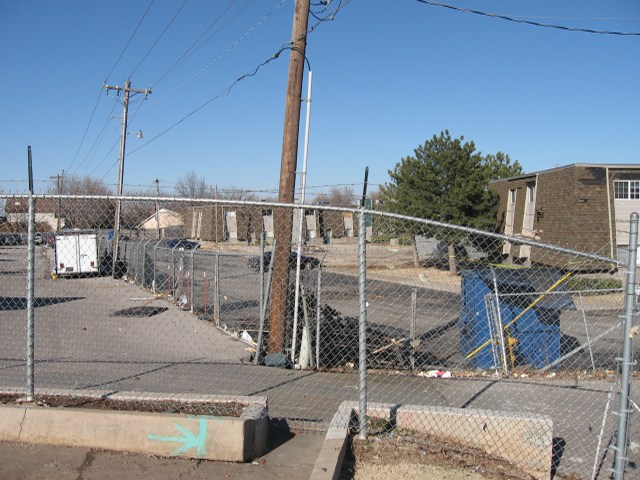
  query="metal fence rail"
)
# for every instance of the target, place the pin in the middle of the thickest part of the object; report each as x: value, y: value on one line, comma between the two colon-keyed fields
x: 384, y: 309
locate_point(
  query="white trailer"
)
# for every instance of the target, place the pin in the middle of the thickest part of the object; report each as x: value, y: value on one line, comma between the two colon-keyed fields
x: 76, y: 253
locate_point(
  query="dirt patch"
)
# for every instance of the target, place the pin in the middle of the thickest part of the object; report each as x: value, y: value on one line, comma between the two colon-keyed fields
x: 402, y: 455
x: 230, y: 409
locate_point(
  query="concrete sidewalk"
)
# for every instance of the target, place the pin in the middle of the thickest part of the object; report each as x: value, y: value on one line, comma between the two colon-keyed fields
x: 292, y: 455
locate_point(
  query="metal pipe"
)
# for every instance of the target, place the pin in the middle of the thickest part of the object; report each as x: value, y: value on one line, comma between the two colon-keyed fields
x: 301, y: 211
x: 262, y: 297
x: 362, y: 324
x: 503, y: 347
x: 412, y: 328
x: 627, y: 360
x: 31, y: 259
x: 216, y: 290
x: 601, y: 434
x: 586, y: 331
x: 191, y: 280
x: 263, y: 312
x: 318, y: 315
x: 155, y: 262
x: 204, y: 287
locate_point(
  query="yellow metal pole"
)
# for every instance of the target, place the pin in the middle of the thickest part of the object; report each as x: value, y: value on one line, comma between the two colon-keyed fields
x: 533, y: 304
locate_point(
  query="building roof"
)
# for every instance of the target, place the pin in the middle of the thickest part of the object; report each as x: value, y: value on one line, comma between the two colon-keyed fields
x: 168, y: 218
x: 611, y: 166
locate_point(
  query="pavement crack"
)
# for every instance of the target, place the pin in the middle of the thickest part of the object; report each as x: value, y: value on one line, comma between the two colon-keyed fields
x: 24, y: 417
x: 88, y: 460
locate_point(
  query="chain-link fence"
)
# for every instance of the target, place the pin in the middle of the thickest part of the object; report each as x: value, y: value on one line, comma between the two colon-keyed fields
x: 316, y: 305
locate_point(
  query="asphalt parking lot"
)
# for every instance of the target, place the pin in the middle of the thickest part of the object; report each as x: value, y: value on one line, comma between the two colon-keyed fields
x: 82, y: 344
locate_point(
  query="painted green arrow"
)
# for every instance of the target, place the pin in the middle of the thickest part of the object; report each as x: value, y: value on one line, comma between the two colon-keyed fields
x: 188, y: 440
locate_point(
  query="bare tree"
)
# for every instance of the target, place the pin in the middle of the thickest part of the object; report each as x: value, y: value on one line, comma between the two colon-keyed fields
x: 74, y: 185
x: 236, y: 193
x: 341, y: 196
x: 84, y: 213
x: 192, y: 186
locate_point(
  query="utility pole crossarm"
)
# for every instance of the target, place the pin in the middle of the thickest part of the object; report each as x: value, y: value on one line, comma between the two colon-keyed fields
x: 118, y: 88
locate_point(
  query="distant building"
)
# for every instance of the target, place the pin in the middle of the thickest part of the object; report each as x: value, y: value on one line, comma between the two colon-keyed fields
x: 17, y: 211
x: 585, y: 207
x: 235, y: 223
x: 168, y: 223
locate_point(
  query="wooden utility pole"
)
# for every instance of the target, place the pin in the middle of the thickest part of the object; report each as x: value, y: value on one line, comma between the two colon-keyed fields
x: 123, y: 141
x: 283, y: 219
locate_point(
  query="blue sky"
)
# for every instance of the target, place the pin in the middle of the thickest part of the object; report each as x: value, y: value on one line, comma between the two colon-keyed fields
x: 388, y: 75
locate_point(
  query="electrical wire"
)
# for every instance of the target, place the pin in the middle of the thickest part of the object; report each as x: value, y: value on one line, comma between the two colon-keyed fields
x: 222, y: 94
x: 105, y: 81
x: 159, y: 37
x: 227, y: 91
x: 96, y: 141
x: 84, y: 135
x: 129, y: 41
x: 192, y: 49
x: 221, y: 55
x: 114, y: 145
x: 527, y: 22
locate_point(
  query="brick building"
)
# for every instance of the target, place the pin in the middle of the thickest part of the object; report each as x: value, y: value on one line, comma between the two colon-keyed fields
x: 584, y: 207
x: 236, y: 223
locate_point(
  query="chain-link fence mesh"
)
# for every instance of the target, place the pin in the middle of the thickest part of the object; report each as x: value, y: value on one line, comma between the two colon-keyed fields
x: 206, y: 297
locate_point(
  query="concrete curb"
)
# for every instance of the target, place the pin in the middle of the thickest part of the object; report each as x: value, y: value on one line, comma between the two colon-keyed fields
x: 525, y: 440
x: 163, y: 434
x: 329, y: 462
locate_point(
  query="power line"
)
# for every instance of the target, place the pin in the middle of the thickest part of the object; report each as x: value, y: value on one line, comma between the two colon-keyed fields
x: 159, y: 37
x: 221, y: 55
x: 96, y: 141
x: 222, y: 94
x: 252, y: 73
x: 129, y: 41
x: 84, y: 135
x: 114, y: 146
x: 192, y: 48
x: 527, y: 22
x: 107, y: 77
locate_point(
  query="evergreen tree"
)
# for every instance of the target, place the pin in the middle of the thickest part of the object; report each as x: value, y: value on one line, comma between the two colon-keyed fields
x: 448, y: 180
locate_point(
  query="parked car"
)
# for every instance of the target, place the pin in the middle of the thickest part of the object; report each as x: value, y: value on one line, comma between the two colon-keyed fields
x: 306, y: 262
x: 180, y: 244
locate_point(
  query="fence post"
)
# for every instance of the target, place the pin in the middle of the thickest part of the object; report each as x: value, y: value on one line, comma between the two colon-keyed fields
x: 31, y: 260
x: 216, y: 291
x: 362, y: 324
x: 173, y: 274
x: 627, y: 360
x: 318, y: 316
x: 412, y: 328
x: 262, y: 300
x: 143, y: 272
x: 155, y: 263
x: 204, y: 294
x: 192, y: 279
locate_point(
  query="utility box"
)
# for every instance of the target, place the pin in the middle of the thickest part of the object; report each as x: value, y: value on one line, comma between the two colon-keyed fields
x: 527, y: 310
x: 76, y: 253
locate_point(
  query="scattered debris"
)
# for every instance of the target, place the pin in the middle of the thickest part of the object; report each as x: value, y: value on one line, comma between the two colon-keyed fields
x: 435, y: 374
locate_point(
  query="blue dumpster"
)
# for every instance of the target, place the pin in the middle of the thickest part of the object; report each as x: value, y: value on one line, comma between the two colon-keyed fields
x: 532, y: 335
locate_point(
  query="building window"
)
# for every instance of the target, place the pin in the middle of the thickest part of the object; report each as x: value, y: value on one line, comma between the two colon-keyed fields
x: 626, y: 189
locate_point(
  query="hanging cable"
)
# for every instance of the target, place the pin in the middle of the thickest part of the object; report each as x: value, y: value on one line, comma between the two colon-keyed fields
x: 159, y: 37
x: 527, y: 22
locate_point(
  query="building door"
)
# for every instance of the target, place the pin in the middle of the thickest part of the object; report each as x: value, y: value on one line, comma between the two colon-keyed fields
x: 510, y: 219
x: 528, y: 220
